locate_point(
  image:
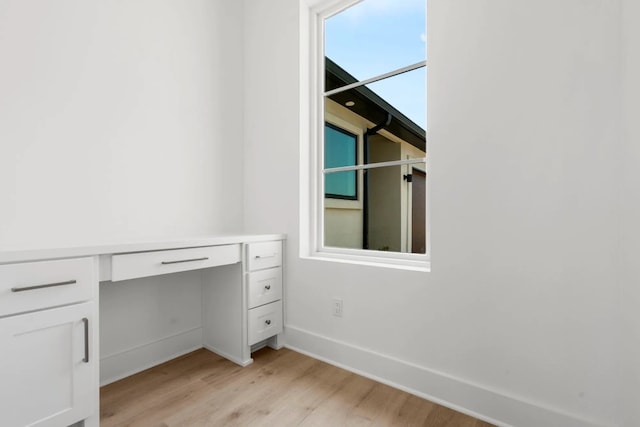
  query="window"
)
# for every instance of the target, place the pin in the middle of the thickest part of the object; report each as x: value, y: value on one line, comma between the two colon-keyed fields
x: 368, y: 121
x: 340, y: 149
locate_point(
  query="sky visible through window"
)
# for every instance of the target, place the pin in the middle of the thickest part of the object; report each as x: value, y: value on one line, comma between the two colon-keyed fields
x: 377, y: 36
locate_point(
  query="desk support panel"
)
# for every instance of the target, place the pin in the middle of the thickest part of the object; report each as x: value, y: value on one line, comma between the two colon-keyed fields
x: 223, y: 307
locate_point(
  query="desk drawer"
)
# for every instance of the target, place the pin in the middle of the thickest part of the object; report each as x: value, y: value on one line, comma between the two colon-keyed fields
x: 264, y: 255
x: 143, y: 264
x: 265, y: 286
x: 36, y: 285
x: 264, y: 322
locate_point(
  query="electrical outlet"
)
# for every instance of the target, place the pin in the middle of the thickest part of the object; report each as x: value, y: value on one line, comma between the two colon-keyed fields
x: 337, y: 307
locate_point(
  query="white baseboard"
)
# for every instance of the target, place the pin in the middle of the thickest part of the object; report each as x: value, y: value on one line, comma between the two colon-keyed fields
x: 131, y: 361
x: 228, y: 356
x: 463, y: 396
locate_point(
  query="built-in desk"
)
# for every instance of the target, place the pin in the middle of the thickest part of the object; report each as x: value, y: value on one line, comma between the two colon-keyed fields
x: 58, y: 305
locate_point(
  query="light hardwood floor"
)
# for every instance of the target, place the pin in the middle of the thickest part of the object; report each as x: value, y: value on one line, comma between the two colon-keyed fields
x: 281, y: 388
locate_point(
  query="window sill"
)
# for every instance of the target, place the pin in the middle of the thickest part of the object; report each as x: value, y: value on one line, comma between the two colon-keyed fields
x: 422, y: 263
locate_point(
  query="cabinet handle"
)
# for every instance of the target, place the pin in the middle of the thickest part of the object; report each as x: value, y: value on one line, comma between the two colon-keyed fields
x: 185, y: 260
x: 85, y: 359
x: 268, y: 322
x: 267, y: 287
x: 47, y: 285
x: 265, y: 256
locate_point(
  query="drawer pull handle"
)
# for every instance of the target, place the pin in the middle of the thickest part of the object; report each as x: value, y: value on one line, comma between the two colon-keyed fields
x: 267, y: 287
x: 185, y: 260
x: 268, y: 322
x: 266, y: 256
x: 48, y: 285
x: 85, y: 359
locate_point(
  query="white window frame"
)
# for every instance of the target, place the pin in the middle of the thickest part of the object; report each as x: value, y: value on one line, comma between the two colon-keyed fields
x: 312, y: 120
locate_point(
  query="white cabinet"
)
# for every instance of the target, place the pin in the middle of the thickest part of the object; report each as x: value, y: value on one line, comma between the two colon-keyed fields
x: 48, y: 360
x: 242, y: 304
x: 49, y: 332
x: 264, y: 291
x: 47, y: 367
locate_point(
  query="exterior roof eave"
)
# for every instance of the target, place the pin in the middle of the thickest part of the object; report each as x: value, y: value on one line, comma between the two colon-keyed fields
x: 371, y: 106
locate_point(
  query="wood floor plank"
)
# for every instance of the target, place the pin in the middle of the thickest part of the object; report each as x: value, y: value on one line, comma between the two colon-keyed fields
x: 281, y: 388
x: 125, y: 401
x: 248, y: 396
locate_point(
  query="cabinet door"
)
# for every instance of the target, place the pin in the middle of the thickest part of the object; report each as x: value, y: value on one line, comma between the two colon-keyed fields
x: 46, y: 371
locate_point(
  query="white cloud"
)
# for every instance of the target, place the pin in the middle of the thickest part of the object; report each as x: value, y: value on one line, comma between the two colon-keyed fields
x: 423, y: 37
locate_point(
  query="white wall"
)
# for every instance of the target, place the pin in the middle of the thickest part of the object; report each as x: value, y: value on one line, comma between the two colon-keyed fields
x: 516, y: 321
x: 119, y: 120
x: 271, y: 134
x: 629, y: 225
x: 523, y: 126
x: 147, y: 321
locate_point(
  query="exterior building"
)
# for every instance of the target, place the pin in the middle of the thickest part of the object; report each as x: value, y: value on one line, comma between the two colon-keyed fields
x: 382, y: 208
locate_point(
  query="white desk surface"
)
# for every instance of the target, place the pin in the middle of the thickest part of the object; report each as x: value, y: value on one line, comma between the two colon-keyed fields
x: 22, y: 255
